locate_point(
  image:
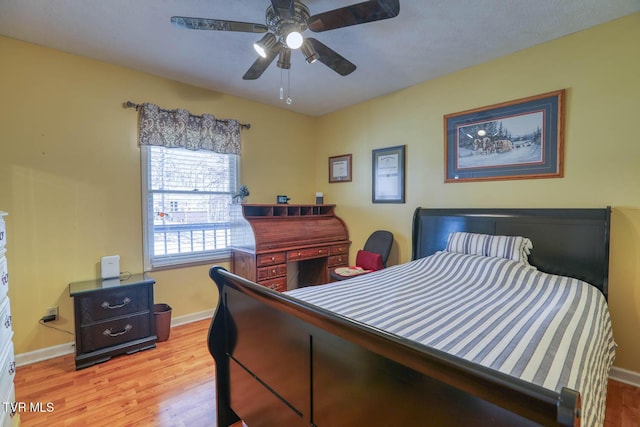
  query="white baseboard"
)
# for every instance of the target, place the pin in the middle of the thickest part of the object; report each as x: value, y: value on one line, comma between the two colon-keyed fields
x: 70, y: 347
x: 45, y: 353
x: 625, y: 376
x: 193, y: 317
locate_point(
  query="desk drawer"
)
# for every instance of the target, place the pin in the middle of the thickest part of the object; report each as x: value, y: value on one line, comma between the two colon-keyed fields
x: 110, y: 303
x: 339, y: 249
x: 307, y: 254
x: 279, y: 284
x: 271, y: 259
x: 114, y: 332
x: 337, y: 260
x: 271, y: 272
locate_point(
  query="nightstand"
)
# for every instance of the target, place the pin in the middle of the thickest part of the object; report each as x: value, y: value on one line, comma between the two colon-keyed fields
x: 112, y: 317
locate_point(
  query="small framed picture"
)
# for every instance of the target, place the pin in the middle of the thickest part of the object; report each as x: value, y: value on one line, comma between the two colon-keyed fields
x: 388, y: 175
x: 340, y: 168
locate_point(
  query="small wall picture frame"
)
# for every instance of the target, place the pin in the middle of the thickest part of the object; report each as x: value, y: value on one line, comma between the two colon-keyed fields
x: 388, y: 175
x: 340, y: 168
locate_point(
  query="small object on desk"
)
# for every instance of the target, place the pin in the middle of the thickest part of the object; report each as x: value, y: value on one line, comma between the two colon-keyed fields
x: 112, y: 318
x: 319, y: 198
x: 351, y: 271
x: 282, y: 200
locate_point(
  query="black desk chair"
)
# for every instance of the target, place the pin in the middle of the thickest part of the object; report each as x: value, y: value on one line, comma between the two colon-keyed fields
x: 373, y: 256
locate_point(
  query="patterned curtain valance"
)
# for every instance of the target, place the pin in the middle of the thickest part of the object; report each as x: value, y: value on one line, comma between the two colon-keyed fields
x: 180, y: 128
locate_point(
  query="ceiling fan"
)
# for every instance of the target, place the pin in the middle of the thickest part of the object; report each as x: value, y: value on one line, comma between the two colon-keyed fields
x: 286, y: 20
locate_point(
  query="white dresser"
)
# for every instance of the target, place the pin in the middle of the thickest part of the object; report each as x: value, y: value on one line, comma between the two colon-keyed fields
x: 8, y: 406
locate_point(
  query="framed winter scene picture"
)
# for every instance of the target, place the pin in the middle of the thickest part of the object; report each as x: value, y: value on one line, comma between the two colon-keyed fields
x: 519, y: 139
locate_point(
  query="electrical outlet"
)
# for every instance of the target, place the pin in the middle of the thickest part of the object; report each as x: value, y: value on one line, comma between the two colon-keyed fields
x: 51, y: 314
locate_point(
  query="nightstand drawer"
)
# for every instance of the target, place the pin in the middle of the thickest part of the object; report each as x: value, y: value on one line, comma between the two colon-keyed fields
x: 110, y: 303
x: 114, y: 332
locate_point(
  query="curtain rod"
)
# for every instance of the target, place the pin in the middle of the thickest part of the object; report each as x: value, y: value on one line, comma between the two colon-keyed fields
x: 130, y: 104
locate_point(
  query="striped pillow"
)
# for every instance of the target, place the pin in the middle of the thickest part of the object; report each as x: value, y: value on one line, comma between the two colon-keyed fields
x: 515, y: 248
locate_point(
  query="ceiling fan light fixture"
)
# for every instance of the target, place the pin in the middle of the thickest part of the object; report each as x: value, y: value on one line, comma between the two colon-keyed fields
x: 265, y: 44
x: 310, y: 54
x: 294, y: 39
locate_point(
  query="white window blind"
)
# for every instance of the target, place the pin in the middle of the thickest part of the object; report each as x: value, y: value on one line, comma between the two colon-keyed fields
x: 186, y: 198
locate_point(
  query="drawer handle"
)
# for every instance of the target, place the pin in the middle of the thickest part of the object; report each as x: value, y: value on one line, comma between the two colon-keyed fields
x: 273, y: 258
x: 125, y: 301
x: 12, y: 368
x: 109, y: 333
x: 7, y: 322
x: 5, y: 279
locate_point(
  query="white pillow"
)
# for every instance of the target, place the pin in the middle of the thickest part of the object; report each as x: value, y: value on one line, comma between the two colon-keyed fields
x: 515, y: 248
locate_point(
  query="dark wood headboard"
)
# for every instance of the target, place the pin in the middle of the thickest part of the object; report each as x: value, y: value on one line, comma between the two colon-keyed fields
x: 566, y: 242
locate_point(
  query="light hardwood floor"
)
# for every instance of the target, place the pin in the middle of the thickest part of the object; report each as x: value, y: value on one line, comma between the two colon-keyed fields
x: 171, y: 386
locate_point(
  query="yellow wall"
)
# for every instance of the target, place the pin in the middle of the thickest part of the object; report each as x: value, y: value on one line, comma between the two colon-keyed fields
x: 598, y: 67
x: 70, y: 177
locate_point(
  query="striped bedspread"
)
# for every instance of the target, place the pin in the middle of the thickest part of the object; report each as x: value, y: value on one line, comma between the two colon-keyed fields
x: 550, y: 330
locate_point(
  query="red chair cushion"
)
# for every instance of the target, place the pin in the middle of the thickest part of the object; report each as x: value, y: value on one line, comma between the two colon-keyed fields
x: 369, y: 260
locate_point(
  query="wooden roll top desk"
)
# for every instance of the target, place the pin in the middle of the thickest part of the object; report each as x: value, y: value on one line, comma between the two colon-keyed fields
x: 268, y: 241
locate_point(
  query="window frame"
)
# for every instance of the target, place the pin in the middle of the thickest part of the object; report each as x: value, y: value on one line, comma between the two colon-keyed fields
x: 162, y: 262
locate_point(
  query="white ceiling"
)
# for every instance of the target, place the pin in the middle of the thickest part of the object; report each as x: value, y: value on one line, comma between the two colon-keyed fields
x: 429, y: 38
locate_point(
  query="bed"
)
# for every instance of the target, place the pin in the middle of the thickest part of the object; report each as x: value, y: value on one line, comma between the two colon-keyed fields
x: 319, y: 356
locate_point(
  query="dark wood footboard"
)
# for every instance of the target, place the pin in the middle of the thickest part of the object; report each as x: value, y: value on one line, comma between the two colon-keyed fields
x: 282, y: 362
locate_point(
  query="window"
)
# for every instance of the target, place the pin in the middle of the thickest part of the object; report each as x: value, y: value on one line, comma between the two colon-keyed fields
x: 186, y: 198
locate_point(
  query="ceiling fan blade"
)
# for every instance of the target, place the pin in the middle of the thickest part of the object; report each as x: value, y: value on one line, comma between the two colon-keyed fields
x: 283, y: 7
x: 331, y: 58
x: 217, y: 25
x: 260, y: 65
x: 360, y: 13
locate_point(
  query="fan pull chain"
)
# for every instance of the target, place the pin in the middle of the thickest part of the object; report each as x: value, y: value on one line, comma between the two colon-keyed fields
x: 289, y: 100
x: 281, y: 85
